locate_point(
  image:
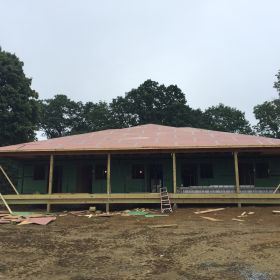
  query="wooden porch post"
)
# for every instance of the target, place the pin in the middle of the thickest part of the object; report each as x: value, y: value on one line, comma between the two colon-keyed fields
x: 174, y: 173
x: 236, y: 171
x: 108, y: 181
x: 50, y: 181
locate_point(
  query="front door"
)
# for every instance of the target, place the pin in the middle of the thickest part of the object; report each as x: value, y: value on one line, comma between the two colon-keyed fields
x: 155, y: 177
x: 246, y: 174
x: 57, y: 179
x: 84, y: 179
x: 189, y: 175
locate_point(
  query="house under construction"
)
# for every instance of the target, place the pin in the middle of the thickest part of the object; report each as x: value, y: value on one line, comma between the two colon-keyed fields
x: 130, y: 165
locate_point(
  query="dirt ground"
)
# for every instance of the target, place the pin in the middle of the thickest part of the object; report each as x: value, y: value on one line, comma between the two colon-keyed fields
x: 80, y: 248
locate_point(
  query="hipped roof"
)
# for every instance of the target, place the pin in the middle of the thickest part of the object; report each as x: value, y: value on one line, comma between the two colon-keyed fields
x: 145, y: 138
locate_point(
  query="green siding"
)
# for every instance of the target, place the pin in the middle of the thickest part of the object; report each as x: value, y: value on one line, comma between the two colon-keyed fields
x: 28, y: 184
x: 121, y: 174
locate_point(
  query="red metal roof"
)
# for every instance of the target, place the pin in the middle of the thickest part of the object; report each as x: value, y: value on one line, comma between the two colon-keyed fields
x: 146, y: 137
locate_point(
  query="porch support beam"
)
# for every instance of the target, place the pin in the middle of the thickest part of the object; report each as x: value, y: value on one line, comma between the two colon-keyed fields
x: 50, y: 186
x: 174, y: 173
x: 108, y: 181
x: 128, y: 198
x: 236, y: 171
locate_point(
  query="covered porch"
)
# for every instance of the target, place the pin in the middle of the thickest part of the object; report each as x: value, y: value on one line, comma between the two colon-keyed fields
x: 247, y: 177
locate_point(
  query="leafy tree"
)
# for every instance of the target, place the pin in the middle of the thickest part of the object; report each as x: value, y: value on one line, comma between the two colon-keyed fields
x: 19, y: 109
x: 225, y: 118
x: 268, y: 116
x: 94, y: 117
x: 59, y: 115
x: 153, y: 103
x: 121, y: 113
x: 277, y: 83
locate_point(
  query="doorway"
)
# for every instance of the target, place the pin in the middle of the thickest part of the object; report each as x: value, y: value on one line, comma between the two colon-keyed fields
x: 246, y: 174
x: 84, y: 179
x: 189, y: 175
x: 57, y: 179
x: 155, y: 178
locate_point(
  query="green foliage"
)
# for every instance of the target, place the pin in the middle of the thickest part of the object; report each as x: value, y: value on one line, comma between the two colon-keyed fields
x: 268, y: 116
x: 95, y: 117
x: 225, y: 118
x: 153, y: 103
x: 19, y: 110
x: 60, y: 116
x: 277, y: 83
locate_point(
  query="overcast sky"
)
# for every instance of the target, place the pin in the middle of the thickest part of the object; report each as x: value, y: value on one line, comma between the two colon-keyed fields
x: 215, y: 51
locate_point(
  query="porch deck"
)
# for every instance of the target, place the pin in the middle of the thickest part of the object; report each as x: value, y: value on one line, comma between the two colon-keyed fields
x: 153, y: 198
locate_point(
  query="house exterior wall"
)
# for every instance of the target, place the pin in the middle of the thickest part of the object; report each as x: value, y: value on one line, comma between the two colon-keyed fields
x: 121, y: 173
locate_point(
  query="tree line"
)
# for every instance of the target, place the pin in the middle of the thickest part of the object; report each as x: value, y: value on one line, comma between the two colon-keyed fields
x: 22, y: 112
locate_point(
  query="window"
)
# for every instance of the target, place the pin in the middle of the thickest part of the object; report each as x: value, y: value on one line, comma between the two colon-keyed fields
x: 138, y: 171
x: 262, y: 170
x: 206, y: 171
x: 100, y: 172
x: 39, y: 173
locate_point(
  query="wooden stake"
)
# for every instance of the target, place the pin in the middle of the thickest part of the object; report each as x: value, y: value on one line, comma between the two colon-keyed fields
x: 50, y: 186
x: 108, y: 181
x: 174, y: 173
x: 6, y: 204
x: 236, y: 171
x: 275, y: 191
x: 7, y: 177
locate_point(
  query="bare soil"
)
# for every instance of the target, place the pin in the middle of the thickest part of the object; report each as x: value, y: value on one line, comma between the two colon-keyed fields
x: 81, y: 248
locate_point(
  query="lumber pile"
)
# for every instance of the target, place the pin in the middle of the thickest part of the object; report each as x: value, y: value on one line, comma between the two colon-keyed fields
x: 21, y: 218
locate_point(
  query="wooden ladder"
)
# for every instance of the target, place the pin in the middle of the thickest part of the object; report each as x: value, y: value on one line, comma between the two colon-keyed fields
x: 164, y: 200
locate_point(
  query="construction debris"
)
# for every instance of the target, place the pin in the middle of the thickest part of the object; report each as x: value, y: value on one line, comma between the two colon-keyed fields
x: 163, y: 226
x: 137, y: 213
x: 38, y: 221
x: 92, y: 209
x: 238, y: 220
x: 154, y: 215
x: 25, y: 218
x: 211, y: 219
x: 6, y: 204
x: 209, y: 211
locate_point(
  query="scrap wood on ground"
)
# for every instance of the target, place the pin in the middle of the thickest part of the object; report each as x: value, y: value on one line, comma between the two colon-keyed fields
x: 23, y: 219
x: 211, y: 219
x: 139, y: 212
x: 209, y: 211
x: 163, y: 226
